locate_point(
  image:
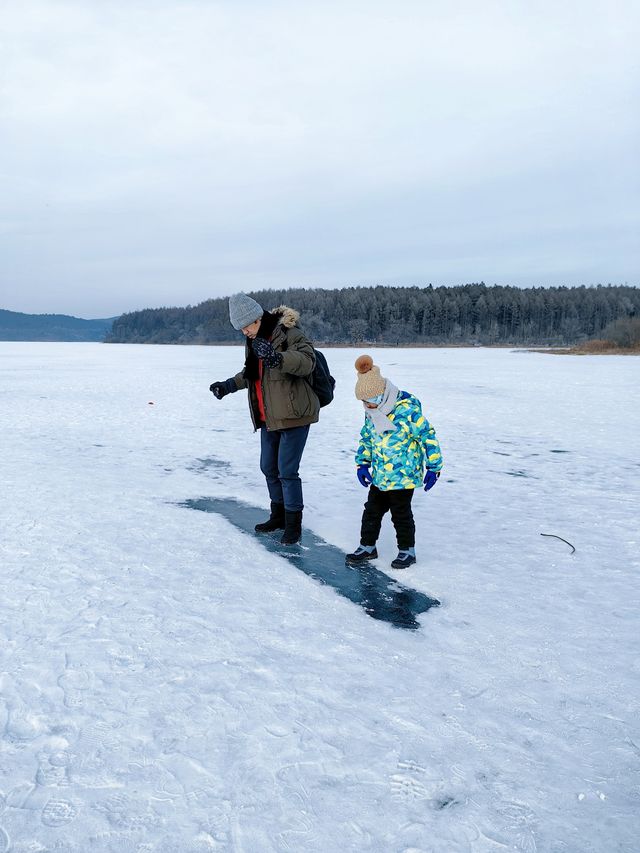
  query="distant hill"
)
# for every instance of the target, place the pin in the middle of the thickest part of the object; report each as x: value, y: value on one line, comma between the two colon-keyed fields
x: 15, y: 326
x: 468, y: 314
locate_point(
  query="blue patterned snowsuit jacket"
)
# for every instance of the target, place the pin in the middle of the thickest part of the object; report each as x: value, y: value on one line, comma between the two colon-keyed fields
x: 398, y: 459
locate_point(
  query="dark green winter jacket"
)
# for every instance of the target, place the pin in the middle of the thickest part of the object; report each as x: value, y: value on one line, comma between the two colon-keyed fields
x: 289, y: 400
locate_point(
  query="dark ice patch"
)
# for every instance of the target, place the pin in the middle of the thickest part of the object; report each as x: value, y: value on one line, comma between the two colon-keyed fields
x: 381, y: 596
x: 211, y: 464
x: 445, y: 802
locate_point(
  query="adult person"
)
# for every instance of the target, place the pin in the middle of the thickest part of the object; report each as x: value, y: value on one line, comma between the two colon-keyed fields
x: 278, y: 361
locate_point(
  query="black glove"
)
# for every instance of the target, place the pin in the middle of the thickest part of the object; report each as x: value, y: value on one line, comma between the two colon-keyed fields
x: 264, y: 350
x: 221, y: 389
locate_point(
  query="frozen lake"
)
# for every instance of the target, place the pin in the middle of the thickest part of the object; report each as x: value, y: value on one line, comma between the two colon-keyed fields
x: 169, y: 686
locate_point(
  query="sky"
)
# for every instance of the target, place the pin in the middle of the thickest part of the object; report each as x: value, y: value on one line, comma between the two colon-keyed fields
x: 163, y: 153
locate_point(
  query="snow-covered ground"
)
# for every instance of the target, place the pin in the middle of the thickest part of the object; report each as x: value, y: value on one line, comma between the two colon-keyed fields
x: 167, y: 685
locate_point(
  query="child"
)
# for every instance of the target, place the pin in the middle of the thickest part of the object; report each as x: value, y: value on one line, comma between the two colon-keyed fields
x: 396, y: 443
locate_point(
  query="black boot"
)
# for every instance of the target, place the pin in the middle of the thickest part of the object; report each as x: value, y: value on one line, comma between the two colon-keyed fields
x: 292, y: 527
x: 404, y: 559
x: 275, y: 520
x: 362, y: 555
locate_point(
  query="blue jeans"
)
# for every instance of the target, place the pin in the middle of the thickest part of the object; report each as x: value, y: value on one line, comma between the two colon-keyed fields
x: 280, y: 455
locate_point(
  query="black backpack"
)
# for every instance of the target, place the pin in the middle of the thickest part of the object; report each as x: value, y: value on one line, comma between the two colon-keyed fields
x: 321, y: 380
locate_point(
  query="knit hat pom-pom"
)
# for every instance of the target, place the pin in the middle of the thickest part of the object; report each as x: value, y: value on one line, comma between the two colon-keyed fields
x: 364, y: 363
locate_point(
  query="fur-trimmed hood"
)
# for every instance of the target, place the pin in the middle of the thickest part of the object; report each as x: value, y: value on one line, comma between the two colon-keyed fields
x: 289, y: 317
x: 275, y: 326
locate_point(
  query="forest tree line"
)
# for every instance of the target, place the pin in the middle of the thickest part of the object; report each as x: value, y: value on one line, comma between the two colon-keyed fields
x: 467, y: 314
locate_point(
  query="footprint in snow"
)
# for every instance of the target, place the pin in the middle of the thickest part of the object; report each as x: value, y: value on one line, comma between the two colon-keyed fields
x: 125, y: 812
x: 21, y: 725
x: 411, y: 784
x: 411, y: 766
x: 74, y: 683
x: 407, y: 789
x: 51, y: 775
x: 58, y: 812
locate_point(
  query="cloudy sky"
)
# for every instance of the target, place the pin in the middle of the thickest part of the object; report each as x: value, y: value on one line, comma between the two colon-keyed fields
x: 161, y: 153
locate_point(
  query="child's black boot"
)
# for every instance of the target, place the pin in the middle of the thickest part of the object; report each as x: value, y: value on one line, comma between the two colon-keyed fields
x: 362, y: 554
x: 406, y: 557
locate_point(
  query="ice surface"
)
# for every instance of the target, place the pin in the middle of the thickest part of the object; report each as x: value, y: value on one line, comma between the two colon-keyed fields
x: 382, y: 597
x: 166, y: 684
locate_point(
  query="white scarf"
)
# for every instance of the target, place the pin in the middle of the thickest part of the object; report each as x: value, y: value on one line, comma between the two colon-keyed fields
x: 378, y: 417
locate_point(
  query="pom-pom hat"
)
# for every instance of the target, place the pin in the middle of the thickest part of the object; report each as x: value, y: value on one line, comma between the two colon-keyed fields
x: 369, y: 383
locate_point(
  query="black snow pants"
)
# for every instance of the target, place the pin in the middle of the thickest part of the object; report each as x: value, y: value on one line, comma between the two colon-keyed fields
x: 398, y: 501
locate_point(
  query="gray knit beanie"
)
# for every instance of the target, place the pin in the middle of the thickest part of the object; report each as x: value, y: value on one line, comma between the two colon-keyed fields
x: 243, y: 310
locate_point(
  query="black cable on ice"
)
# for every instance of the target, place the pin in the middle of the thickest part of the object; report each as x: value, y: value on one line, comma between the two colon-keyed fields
x: 561, y: 539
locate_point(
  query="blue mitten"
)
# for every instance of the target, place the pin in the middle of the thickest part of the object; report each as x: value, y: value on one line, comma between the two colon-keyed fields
x: 430, y: 479
x: 364, y: 475
x: 265, y: 351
